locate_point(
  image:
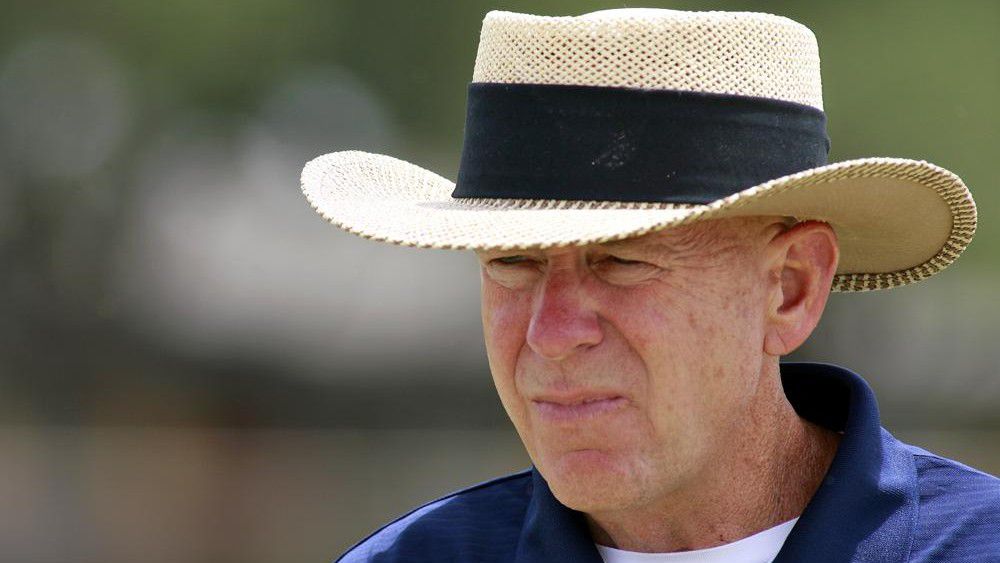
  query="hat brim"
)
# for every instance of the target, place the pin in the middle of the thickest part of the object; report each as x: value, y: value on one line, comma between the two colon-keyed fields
x: 897, y: 220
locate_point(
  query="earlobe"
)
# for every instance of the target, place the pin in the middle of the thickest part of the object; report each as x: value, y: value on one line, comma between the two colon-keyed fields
x: 805, y: 261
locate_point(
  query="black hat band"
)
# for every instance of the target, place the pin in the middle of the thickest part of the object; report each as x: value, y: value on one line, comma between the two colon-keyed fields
x: 565, y: 142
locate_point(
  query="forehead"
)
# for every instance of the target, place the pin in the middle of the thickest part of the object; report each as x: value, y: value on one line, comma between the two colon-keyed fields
x: 693, y: 237
x: 685, y: 236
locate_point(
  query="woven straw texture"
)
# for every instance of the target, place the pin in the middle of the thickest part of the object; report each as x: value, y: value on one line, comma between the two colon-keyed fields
x: 897, y: 220
x: 742, y: 53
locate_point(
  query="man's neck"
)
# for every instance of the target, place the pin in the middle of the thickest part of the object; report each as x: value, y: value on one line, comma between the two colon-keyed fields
x: 766, y: 476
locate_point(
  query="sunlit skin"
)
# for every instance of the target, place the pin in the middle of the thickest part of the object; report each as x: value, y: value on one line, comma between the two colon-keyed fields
x: 642, y: 376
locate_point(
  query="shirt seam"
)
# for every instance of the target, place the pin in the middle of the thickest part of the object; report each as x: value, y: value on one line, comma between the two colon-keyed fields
x: 955, y: 464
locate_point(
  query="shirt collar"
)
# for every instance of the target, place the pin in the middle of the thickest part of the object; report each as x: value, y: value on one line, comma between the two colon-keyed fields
x: 864, y: 509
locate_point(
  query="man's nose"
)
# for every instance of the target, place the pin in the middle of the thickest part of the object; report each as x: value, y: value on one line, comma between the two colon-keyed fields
x: 562, y: 322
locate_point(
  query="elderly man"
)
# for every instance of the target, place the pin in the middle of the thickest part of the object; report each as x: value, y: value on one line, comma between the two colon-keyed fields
x: 648, y: 196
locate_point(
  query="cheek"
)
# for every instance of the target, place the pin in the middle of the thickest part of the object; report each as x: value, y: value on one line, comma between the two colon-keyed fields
x: 713, y: 320
x: 698, y: 346
x: 654, y: 323
x: 506, y: 315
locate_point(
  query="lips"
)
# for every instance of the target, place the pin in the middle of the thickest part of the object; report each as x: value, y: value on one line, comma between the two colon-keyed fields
x: 578, y: 408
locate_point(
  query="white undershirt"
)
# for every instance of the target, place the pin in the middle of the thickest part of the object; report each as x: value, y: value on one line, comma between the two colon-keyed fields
x: 761, y: 547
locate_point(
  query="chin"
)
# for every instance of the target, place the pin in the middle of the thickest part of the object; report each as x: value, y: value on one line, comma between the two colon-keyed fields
x: 592, y: 480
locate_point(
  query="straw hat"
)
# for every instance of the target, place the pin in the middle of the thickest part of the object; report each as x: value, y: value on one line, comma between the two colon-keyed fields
x: 618, y: 123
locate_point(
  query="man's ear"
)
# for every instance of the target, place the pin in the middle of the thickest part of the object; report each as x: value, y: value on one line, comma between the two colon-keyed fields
x: 801, y: 261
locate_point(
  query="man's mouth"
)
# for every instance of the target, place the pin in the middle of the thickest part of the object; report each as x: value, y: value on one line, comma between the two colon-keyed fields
x: 576, y: 409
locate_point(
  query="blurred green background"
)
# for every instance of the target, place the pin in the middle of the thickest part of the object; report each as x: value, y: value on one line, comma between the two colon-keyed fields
x: 195, y: 367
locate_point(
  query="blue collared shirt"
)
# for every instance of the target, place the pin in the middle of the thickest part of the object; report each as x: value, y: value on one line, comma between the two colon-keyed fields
x: 881, y: 501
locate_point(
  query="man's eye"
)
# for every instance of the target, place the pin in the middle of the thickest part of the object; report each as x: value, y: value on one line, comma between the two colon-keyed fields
x: 514, y: 272
x: 624, y: 261
x: 623, y: 271
x: 510, y: 260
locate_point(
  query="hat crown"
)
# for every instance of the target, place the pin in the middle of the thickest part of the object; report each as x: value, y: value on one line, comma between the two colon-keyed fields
x: 740, y: 53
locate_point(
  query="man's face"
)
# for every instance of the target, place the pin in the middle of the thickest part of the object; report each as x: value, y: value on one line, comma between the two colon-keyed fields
x: 624, y: 366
